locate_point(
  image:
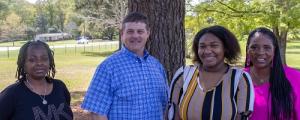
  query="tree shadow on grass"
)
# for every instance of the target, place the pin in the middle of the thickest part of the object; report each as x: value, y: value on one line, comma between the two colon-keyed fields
x: 293, y: 47
x: 98, y: 54
x: 293, y: 52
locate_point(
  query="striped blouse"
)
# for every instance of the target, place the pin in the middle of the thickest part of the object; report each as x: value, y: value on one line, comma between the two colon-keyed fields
x: 233, y: 95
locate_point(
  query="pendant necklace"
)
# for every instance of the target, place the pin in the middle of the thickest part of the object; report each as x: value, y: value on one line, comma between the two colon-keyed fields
x: 43, y: 97
x: 260, y: 80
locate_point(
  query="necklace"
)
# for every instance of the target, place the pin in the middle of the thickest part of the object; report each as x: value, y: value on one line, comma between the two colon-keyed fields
x: 43, y: 97
x: 260, y: 80
x: 219, y: 79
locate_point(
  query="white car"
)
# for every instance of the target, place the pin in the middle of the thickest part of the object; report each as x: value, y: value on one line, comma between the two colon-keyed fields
x: 82, y: 40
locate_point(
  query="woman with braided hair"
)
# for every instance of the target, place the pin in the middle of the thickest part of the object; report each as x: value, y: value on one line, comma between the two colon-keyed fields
x: 36, y: 95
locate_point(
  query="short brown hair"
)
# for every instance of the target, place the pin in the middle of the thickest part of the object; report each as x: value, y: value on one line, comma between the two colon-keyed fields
x: 135, y: 17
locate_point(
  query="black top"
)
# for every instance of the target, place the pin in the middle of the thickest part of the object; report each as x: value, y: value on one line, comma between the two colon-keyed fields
x: 18, y: 102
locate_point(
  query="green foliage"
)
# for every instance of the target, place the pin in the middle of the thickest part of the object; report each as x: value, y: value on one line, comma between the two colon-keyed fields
x: 56, y: 12
x: 41, y: 23
x: 30, y: 32
x: 78, y: 17
x: 242, y: 16
x: 3, y: 10
x: 101, y: 17
x: 109, y: 33
x: 25, y: 10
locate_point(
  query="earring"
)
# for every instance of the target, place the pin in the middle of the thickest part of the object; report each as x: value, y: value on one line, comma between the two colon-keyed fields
x: 248, y: 60
x: 272, y: 63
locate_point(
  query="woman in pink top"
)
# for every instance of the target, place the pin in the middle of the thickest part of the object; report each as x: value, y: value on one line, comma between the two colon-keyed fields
x: 277, y: 88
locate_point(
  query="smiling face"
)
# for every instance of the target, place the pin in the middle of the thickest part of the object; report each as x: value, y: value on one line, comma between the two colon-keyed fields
x: 261, y: 50
x: 37, y: 62
x: 134, y: 36
x: 211, y: 51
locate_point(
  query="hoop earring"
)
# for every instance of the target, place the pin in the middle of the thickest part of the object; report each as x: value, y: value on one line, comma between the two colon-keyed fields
x: 248, y: 60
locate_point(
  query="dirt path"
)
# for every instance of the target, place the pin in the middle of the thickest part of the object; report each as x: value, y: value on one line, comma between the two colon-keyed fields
x: 79, y: 114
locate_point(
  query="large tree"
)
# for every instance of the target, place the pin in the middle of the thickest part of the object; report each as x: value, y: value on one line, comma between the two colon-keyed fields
x: 167, y: 37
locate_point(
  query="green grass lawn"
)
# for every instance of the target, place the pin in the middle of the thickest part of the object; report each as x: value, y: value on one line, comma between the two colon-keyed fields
x: 20, y: 43
x: 74, y: 68
x: 292, y: 54
x: 16, y: 43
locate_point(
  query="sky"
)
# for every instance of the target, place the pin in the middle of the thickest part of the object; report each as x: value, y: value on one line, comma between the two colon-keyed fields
x: 31, y: 1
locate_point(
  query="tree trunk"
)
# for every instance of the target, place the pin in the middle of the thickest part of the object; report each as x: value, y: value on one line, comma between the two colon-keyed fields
x: 167, y: 37
x: 120, y: 41
x: 282, y: 39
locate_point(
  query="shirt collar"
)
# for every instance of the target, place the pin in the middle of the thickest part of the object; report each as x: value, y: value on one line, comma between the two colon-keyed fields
x: 132, y: 54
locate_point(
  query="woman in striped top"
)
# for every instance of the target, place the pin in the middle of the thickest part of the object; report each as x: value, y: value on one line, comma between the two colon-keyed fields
x: 211, y: 88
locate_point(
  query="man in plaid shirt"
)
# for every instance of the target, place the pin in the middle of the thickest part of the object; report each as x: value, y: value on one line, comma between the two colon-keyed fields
x: 130, y: 84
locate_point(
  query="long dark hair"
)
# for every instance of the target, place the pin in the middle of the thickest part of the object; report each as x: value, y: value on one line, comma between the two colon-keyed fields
x: 280, y: 87
x: 21, y: 74
x: 230, y: 43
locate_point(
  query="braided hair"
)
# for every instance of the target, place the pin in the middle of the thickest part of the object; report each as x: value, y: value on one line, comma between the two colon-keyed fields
x: 21, y: 74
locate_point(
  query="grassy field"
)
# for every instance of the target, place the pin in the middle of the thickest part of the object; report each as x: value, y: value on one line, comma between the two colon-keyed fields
x: 68, y: 47
x: 75, y: 66
x: 20, y: 43
x: 75, y: 69
x: 16, y: 43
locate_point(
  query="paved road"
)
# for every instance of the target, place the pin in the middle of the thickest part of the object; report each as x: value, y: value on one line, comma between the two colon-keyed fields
x: 68, y: 45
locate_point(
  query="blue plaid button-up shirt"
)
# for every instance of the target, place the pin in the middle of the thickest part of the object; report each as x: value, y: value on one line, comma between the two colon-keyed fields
x: 126, y: 86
